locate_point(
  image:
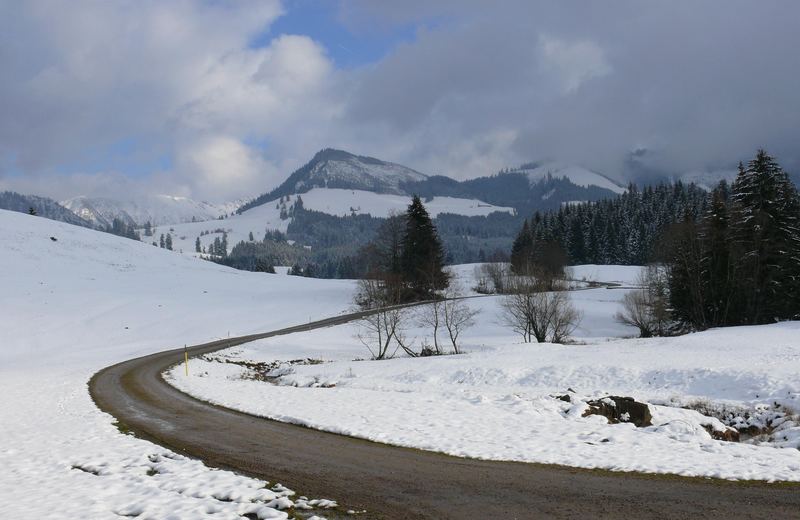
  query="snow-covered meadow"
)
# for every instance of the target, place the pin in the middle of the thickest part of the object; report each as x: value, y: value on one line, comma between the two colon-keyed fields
x: 268, y: 216
x: 86, y: 300
x: 500, y: 400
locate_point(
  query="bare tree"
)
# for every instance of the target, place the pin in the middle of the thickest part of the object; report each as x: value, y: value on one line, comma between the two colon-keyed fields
x: 564, y: 317
x: 458, y: 316
x: 384, y: 325
x: 493, y: 277
x: 647, y: 308
x: 539, y: 314
x: 432, y: 315
x: 518, y: 307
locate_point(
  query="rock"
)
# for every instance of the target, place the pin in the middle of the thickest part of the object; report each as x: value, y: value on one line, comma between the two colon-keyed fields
x: 729, y: 434
x: 564, y: 397
x: 620, y: 409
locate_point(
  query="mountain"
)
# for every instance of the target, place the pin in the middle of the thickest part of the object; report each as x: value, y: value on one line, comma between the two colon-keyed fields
x: 338, y: 169
x: 44, y: 207
x: 707, y: 180
x: 577, y: 175
x: 531, y: 187
x: 156, y: 209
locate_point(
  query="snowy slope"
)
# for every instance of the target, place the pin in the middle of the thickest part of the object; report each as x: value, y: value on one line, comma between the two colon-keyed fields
x: 156, y: 209
x: 348, y: 202
x: 576, y: 174
x: 498, y: 400
x: 334, y: 167
x: 708, y: 180
x: 90, y: 299
x: 43, y: 206
x: 326, y: 200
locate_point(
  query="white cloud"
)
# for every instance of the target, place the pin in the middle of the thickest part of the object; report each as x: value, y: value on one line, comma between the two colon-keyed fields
x: 574, y: 62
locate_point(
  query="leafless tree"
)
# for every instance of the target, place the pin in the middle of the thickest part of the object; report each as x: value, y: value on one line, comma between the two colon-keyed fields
x: 458, y: 316
x: 384, y: 325
x: 564, y: 317
x: 537, y: 313
x: 493, y: 278
x: 647, y: 308
x: 432, y: 315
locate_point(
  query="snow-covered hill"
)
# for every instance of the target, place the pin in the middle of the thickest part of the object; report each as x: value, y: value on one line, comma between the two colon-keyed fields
x: 43, y: 207
x: 331, y: 168
x: 339, y: 169
x: 89, y: 299
x: 358, y: 202
x: 577, y: 175
x: 707, y: 180
x: 332, y: 201
x: 156, y: 209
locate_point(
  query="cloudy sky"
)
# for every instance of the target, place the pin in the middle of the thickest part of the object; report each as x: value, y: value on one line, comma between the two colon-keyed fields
x: 218, y: 100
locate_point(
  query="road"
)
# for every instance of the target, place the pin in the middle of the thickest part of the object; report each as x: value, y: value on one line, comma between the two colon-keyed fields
x: 399, y: 483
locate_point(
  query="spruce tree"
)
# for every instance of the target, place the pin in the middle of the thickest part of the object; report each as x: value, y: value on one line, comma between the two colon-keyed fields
x: 522, y: 250
x: 422, y: 257
x: 161, y: 241
x: 765, y: 234
x: 197, y: 245
x: 168, y: 241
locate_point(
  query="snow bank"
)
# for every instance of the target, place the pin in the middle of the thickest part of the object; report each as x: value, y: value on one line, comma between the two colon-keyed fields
x: 498, y: 400
x: 84, y: 301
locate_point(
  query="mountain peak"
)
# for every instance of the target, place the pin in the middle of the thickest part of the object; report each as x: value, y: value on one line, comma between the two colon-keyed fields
x: 332, y: 168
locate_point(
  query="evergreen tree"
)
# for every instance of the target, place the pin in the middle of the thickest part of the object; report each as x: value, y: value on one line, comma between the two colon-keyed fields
x: 765, y: 233
x: 161, y: 241
x: 148, y: 229
x: 422, y: 256
x: 31, y: 211
x: 522, y: 250
x: 251, y: 237
x: 197, y: 245
x: 168, y: 242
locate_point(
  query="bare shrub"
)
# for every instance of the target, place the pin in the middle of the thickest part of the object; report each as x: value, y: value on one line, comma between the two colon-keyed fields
x: 385, y: 323
x: 493, y: 278
x: 647, y: 307
x: 539, y: 314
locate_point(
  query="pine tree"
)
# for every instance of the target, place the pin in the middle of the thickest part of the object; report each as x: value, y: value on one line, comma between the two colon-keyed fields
x: 251, y: 237
x: 765, y: 234
x: 161, y: 241
x: 422, y: 256
x: 197, y: 245
x: 168, y: 242
x: 31, y: 211
x: 717, y: 267
x: 522, y: 250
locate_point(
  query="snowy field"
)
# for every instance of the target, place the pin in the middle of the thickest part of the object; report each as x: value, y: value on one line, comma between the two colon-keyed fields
x: 326, y: 200
x: 500, y: 400
x: 85, y: 301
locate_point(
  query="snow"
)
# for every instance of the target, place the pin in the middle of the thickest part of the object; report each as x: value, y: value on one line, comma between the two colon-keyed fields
x: 331, y: 201
x: 366, y: 172
x: 348, y: 202
x: 498, y: 401
x: 576, y: 174
x: 156, y: 209
x: 88, y: 300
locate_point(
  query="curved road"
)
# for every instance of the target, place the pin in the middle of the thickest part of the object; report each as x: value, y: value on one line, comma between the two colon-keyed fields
x: 400, y: 483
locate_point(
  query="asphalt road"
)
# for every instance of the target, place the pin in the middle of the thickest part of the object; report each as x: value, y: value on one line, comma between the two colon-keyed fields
x: 399, y: 483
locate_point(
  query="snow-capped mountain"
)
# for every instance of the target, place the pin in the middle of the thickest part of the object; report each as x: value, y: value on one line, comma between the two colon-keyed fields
x: 44, y: 207
x: 156, y: 209
x: 338, y: 169
x: 708, y: 180
x: 577, y: 175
